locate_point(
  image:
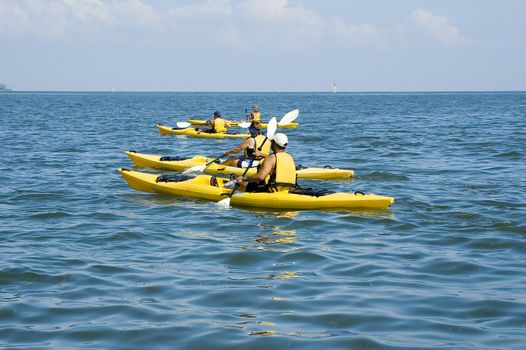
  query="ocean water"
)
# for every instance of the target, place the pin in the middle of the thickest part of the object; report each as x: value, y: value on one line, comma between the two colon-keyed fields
x: 89, y: 263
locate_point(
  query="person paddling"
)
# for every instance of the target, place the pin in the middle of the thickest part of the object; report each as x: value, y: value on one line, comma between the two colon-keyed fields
x: 256, y: 147
x: 254, y: 115
x: 278, y: 167
x: 219, y: 125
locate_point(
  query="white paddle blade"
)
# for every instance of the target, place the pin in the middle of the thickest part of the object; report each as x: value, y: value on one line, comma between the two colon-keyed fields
x: 243, y: 125
x: 230, y: 184
x: 183, y: 125
x: 194, y: 169
x: 225, y: 203
x: 271, y: 128
x: 289, y: 117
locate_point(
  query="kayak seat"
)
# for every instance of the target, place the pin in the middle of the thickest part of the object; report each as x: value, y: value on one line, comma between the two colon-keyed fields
x: 172, y: 158
x: 213, y: 181
x: 311, y: 192
x: 172, y: 178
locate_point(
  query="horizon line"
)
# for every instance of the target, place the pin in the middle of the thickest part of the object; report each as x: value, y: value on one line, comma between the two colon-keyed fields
x: 232, y: 91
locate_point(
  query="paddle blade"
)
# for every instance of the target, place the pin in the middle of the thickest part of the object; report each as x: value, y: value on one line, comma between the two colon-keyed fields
x: 243, y: 125
x: 225, y: 203
x: 289, y: 117
x: 272, y: 127
x: 194, y: 169
x: 183, y: 125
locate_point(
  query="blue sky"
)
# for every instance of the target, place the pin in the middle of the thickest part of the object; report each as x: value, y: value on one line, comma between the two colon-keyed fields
x: 263, y: 45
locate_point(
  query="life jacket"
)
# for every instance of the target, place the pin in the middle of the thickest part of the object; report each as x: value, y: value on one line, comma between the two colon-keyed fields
x: 284, y: 176
x: 262, y: 144
x: 219, y: 125
x: 256, y: 116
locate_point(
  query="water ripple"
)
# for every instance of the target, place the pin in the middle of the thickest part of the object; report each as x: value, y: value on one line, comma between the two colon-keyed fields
x: 90, y: 263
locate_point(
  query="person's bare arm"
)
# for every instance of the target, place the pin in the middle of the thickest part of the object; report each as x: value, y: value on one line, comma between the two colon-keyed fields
x: 243, y: 146
x: 265, y: 170
x: 260, y: 154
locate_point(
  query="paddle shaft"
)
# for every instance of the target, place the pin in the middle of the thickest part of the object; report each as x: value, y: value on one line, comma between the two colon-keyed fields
x: 246, y: 170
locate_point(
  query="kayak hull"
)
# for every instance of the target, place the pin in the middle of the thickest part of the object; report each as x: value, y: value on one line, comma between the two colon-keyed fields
x: 155, y: 162
x: 191, y: 132
x: 198, y: 122
x: 200, y: 188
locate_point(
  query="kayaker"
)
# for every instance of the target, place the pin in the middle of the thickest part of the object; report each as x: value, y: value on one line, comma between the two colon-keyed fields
x: 219, y: 125
x: 278, y: 167
x: 256, y: 146
x: 254, y: 115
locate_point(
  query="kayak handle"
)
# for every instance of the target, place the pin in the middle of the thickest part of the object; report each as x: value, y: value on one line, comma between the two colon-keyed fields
x: 359, y: 192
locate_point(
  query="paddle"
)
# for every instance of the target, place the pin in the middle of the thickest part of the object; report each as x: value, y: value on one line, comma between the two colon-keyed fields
x: 183, y: 125
x: 200, y: 168
x: 286, y: 119
x: 289, y: 117
x: 271, y: 130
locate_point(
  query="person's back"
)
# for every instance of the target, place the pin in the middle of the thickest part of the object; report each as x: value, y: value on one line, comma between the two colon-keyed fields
x: 279, y: 168
x: 255, y: 147
x: 255, y: 115
x: 283, y: 176
x: 219, y: 125
x: 261, y: 144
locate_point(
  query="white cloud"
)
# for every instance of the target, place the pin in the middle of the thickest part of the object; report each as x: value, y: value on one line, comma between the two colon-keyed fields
x: 135, y: 12
x: 221, y: 7
x: 364, y: 34
x: 52, y: 18
x: 297, y: 26
x: 88, y: 10
x: 438, y: 26
x: 265, y: 23
x: 14, y: 9
x: 277, y: 11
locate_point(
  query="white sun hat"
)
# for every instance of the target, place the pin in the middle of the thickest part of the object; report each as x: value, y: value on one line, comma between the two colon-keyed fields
x: 281, y: 139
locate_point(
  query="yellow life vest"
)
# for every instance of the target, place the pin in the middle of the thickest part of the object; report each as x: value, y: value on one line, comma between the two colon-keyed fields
x: 260, y: 145
x: 284, y: 176
x: 256, y: 116
x: 219, y: 125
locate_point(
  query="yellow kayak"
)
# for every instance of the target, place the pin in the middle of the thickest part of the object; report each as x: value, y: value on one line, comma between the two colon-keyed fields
x: 198, y: 122
x: 181, y: 164
x: 210, y: 188
x: 191, y: 132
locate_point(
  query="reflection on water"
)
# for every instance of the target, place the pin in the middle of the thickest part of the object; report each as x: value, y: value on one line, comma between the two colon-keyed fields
x: 284, y: 275
x: 277, y: 237
x: 263, y: 333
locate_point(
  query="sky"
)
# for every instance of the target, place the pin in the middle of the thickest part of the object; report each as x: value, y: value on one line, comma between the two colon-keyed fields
x: 263, y: 45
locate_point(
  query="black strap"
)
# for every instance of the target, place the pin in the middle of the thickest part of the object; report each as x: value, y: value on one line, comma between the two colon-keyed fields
x: 262, y: 144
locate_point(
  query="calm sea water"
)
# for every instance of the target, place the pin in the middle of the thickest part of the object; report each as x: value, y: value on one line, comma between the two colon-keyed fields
x: 89, y: 263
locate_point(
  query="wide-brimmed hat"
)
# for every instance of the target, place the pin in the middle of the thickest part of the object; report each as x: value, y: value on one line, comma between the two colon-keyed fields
x: 255, y: 108
x: 217, y: 114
